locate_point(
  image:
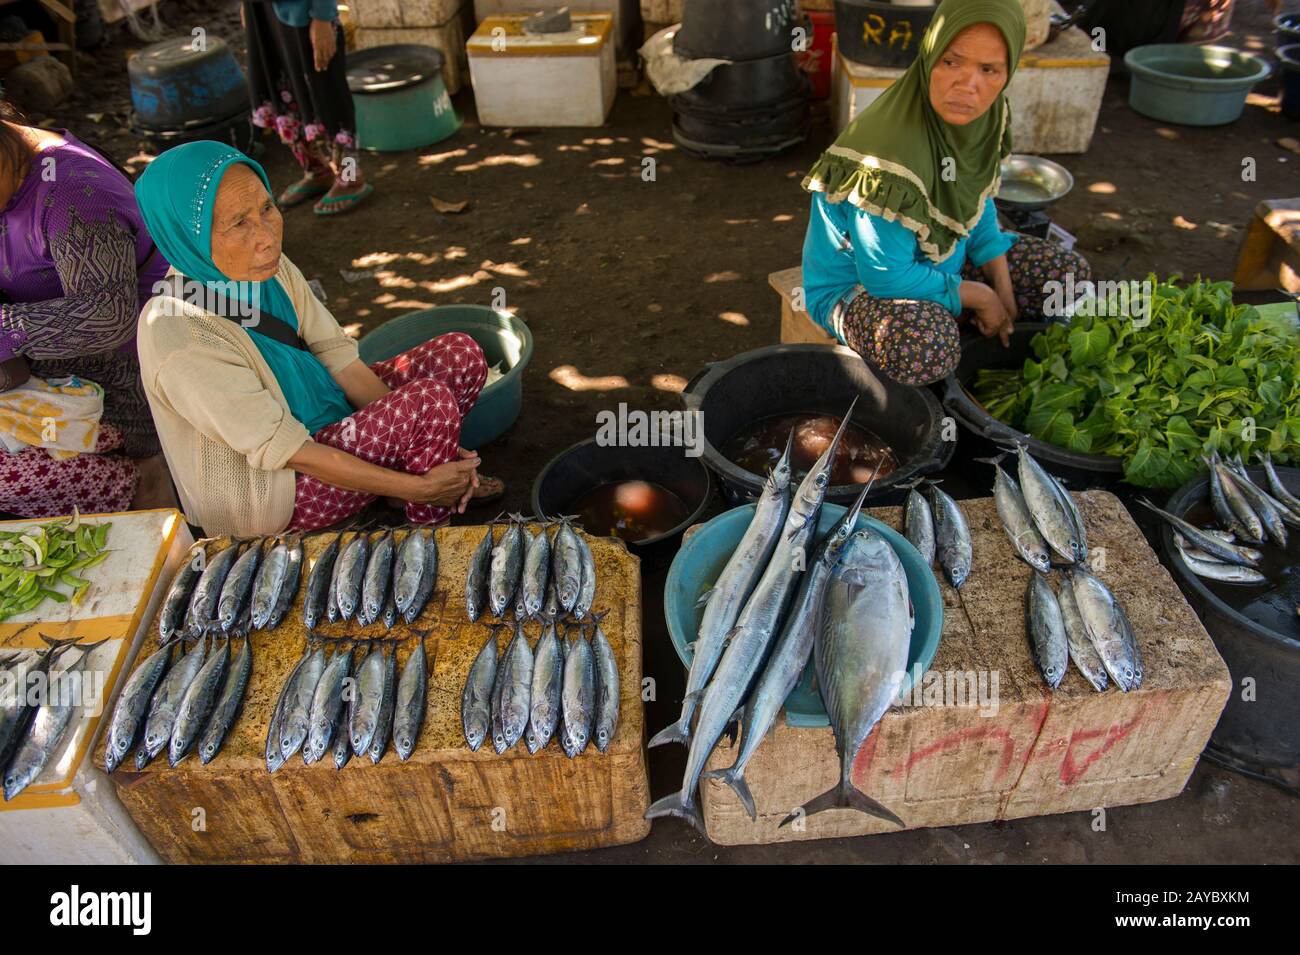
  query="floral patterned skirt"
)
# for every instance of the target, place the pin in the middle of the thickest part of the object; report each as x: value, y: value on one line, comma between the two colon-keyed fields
x: 917, y: 342
x: 288, y: 94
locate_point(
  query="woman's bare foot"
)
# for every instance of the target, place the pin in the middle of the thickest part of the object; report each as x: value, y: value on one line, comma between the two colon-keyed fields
x: 154, y: 486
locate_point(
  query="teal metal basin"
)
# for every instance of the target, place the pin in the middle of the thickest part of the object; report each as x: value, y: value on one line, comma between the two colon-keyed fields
x: 705, y: 553
x: 503, y: 338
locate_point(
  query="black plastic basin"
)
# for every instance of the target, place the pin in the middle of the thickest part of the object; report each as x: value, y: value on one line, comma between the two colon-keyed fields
x: 978, y: 352
x: 1260, y: 738
x: 586, y: 465
x: 817, y: 379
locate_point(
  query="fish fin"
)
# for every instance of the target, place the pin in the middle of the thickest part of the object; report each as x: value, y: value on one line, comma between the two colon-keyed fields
x: 995, y: 460
x: 844, y: 796
x: 704, y: 597
x: 672, y: 733
x: 735, y: 778
x: 675, y: 805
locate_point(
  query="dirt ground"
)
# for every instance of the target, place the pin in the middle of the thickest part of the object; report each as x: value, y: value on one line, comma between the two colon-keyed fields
x: 630, y: 286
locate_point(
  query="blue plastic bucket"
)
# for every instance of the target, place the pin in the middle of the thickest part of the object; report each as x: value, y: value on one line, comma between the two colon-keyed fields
x: 503, y: 338
x: 705, y: 553
x: 400, y: 97
x: 1289, y: 62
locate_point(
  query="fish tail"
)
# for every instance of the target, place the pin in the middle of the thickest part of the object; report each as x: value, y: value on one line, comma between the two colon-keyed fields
x: 679, y: 806
x: 844, y: 796
x: 679, y: 732
x: 995, y: 460
x: 735, y: 778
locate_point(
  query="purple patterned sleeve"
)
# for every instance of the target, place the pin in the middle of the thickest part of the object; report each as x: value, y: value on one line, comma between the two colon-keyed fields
x: 94, y: 253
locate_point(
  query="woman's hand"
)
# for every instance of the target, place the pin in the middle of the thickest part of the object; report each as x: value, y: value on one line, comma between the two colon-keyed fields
x: 999, y: 275
x: 449, y: 485
x: 323, y: 45
x: 991, y: 316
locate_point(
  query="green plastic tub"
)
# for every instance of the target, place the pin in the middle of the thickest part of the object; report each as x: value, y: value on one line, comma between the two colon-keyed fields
x: 1191, y: 85
x: 705, y: 553
x: 400, y: 98
x: 503, y: 338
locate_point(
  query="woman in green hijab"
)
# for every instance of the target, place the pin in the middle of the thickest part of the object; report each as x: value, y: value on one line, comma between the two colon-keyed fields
x: 903, y: 236
x: 268, y: 418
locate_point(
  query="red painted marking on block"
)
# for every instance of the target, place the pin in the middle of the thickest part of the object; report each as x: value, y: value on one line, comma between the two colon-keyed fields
x: 1070, y: 771
x: 862, y: 762
x: 961, y: 737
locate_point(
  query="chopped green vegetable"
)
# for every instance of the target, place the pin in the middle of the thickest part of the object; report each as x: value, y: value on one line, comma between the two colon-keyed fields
x: 1201, y: 375
x: 35, y: 561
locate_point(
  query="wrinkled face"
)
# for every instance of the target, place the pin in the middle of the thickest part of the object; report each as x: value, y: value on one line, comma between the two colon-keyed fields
x: 969, y: 75
x: 246, y: 227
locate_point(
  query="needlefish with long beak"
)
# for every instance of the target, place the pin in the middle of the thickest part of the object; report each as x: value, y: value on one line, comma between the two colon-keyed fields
x: 725, y: 599
x: 756, y: 627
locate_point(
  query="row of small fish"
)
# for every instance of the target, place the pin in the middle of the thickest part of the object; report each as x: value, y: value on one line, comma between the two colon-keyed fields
x: 537, y: 574
x: 766, y: 616
x: 1085, y: 622
x: 937, y: 527
x: 315, y: 713
x: 372, y: 580
x: 38, y: 707
x: 249, y: 585
x: 562, y: 687
x: 180, y: 700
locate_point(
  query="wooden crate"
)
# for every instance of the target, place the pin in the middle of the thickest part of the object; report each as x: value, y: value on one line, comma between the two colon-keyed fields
x: 1041, y: 752
x: 1270, y: 250
x: 445, y: 803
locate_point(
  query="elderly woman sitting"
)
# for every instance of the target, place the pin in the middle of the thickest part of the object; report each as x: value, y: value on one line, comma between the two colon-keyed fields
x: 267, y: 416
x: 903, y: 239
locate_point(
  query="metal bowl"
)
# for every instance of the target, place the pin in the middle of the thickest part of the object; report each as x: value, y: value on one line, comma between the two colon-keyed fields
x: 1031, y: 182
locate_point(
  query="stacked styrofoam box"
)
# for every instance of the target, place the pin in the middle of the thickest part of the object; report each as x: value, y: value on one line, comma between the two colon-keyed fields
x: 443, y: 24
x: 624, y: 13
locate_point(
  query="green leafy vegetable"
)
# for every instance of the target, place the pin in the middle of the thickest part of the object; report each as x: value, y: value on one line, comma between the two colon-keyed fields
x: 1194, y: 374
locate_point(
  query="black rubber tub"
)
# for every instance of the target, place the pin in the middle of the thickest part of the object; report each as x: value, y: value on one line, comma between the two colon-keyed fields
x: 747, y: 86
x: 988, y: 434
x: 1260, y: 738
x: 880, y: 34
x: 735, y: 29
x: 817, y: 379
x: 586, y: 465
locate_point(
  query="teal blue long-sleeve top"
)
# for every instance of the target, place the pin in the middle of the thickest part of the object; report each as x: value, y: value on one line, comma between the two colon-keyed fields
x: 846, y: 247
x: 299, y: 13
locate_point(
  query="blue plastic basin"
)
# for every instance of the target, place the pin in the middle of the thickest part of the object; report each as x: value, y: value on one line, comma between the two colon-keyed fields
x: 503, y: 338
x: 1191, y: 85
x: 705, y: 553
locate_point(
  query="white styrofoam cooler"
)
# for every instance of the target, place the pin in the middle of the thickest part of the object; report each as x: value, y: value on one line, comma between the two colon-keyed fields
x: 71, y: 813
x: 556, y: 79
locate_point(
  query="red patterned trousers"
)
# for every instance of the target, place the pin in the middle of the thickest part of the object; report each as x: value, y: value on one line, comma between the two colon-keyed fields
x: 413, y: 428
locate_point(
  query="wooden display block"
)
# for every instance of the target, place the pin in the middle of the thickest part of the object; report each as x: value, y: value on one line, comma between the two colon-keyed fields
x: 445, y: 803
x: 796, y: 324
x: 1036, y: 752
x: 1270, y: 250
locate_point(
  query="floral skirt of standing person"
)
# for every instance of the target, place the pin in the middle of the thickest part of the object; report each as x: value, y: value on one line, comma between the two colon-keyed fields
x: 917, y: 342
x: 413, y: 428
x: 306, y: 108
x: 33, y: 484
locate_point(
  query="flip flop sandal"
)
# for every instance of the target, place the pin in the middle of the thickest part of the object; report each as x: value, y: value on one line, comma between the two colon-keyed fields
x: 489, y: 489
x: 337, y: 205
x: 300, y: 193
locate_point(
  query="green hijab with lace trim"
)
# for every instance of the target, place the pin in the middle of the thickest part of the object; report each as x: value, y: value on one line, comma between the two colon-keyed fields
x: 889, y: 161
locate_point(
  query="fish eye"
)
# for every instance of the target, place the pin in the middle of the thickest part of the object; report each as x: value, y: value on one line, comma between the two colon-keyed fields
x: 1128, y: 674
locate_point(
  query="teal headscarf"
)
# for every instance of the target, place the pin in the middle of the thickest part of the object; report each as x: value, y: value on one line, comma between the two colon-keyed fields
x: 176, y: 195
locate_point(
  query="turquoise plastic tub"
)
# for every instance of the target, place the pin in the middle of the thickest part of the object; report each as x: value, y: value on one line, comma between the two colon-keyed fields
x: 706, y: 552
x: 1191, y: 85
x: 400, y: 98
x: 503, y: 338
